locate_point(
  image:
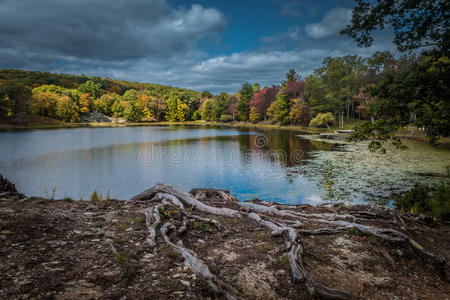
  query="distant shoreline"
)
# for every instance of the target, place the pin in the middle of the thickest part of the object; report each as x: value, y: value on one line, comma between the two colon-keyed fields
x: 298, y: 128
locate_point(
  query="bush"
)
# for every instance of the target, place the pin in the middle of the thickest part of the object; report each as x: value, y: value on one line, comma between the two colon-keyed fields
x: 431, y: 201
x: 322, y: 120
x: 226, y: 118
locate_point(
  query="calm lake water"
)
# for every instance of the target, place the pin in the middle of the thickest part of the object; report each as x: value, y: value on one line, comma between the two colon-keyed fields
x: 273, y: 165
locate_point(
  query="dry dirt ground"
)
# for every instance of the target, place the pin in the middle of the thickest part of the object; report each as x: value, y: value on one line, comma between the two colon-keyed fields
x: 63, y: 249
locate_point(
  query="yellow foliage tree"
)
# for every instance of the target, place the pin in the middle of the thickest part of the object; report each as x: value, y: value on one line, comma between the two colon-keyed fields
x: 85, y: 103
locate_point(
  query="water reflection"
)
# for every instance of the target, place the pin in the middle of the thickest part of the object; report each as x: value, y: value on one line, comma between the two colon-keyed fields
x: 78, y: 161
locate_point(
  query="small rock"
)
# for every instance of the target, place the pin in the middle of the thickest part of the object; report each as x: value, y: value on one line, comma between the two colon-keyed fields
x: 281, y: 272
x: 185, y: 283
x: 148, y: 256
x: 114, y: 220
x: 186, y: 269
x: 201, y: 241
x: 177, y: 275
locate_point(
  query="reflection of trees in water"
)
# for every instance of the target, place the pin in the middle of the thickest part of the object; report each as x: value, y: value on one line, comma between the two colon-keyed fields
x: 282, y: 146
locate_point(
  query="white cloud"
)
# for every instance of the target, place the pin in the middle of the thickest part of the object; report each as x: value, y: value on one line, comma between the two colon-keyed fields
x: 333, y: 22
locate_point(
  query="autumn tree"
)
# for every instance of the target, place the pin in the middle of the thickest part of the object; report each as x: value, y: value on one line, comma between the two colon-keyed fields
x: 300, y: 112
x: 66, y: 109
x: 85, y: 103
x: 157, y: 107
x: 232, y: 107
x: 291, y: 88
x: 43, y: 104
x: 263, y: 98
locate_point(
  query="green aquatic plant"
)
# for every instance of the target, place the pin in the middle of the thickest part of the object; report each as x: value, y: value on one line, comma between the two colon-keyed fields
x: 431, y: 200
x: 328, y: 179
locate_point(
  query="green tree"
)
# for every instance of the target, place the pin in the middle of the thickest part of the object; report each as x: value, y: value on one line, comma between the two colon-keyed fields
x: 131, y: 96
x: 416, y: 24
x: 281, y: 108
x: 133, y: 111
x: 292, y: 75
x: 15, y: 97
x: 93, y: 89
x: 49, y: 88
x: 243, y: 105
x: 175, y: 112
x: 254, y: 115
x: 322, y: 120
x: 117, y: 108
x: 221, y: 103
x: 6, y: 106
x: 208, y: 111
x: 419, y: 96
x: 105, y: 103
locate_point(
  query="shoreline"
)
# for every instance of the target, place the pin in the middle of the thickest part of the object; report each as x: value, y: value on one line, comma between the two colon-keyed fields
x: 5, y: 127
x: 164, y: 243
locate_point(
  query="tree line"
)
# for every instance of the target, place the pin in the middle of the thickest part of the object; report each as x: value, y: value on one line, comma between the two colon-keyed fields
x: 336, y: 89
x: 389, y: 92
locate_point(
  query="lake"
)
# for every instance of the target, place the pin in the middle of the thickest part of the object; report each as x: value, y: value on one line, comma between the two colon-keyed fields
x: 274, y: 165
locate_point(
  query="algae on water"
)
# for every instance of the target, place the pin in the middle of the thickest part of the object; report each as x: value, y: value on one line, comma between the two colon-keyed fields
x: 361, y: 175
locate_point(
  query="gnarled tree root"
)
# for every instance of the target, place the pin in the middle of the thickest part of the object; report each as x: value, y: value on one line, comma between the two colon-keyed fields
x: 281, y: 222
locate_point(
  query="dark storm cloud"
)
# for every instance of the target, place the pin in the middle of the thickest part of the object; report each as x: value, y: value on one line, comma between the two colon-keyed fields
x: 102, y: 29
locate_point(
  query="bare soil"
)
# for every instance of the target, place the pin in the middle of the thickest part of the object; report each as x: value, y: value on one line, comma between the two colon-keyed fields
x: 60, y: 249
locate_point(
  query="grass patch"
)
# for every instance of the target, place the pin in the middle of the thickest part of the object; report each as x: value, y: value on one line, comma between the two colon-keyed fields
x: 433, y: 201
x: 282, y: 263
x: 355, y: 231
x: 96, y: 197
x: 206, y: 289
x: 203, y: 227
x: 127, y: 264
x: 173, y: 255
x: 265, y: 247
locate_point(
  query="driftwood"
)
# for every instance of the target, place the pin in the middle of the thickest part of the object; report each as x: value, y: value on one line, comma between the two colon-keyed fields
x: 282, y: 222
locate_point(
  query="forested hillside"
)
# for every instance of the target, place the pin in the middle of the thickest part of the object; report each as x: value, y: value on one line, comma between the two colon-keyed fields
x: 387, y: 92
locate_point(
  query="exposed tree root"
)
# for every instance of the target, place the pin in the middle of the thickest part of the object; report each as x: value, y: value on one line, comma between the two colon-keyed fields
x: 281, y: 222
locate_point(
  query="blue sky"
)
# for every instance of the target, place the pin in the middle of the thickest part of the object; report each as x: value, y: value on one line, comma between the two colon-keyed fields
x: 203, y: 45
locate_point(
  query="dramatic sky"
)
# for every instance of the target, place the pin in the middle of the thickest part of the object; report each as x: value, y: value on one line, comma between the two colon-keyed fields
x: 202, y: 44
